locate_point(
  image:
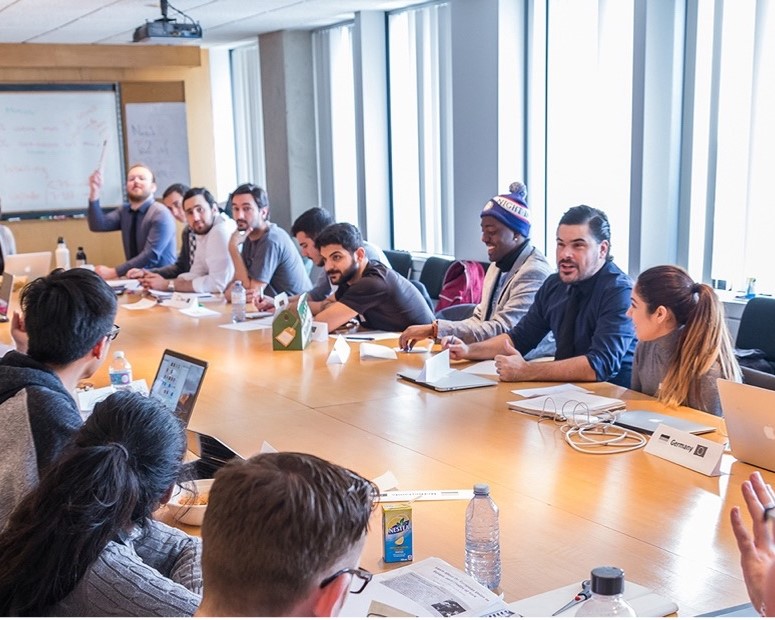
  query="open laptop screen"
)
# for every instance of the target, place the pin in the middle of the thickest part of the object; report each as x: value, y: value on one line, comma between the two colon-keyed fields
x: 177, y: 383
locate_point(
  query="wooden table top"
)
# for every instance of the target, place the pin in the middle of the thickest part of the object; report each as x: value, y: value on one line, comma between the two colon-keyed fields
x: 562, y: 512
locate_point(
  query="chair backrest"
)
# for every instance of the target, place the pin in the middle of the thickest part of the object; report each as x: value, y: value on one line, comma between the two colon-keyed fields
x: 400, y: 261
x: 462, y: 284
x: 432, y: 274
x: 758, y: 378
x: 757, y: 326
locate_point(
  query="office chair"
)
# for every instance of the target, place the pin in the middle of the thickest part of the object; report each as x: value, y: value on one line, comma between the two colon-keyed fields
x: 756, y: 324
x: 432, y: 274
x: 400, y: 261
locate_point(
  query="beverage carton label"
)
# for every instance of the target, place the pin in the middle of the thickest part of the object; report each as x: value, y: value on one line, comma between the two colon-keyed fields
x: 397, y: 532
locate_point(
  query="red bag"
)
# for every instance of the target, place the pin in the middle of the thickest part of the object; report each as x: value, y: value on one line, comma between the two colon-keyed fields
x: 462, y: 284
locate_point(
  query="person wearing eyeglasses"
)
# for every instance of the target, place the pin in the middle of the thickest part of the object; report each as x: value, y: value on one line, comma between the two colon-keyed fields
x: 283, y: 536
x: 147, y: 226
x: 68, y: 318
x: 264, y: 255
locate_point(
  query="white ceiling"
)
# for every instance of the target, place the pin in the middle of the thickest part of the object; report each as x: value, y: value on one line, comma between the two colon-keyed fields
x: 222, y: 21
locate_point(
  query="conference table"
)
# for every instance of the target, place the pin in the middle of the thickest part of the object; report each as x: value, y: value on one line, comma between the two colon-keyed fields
x: 562, y: 512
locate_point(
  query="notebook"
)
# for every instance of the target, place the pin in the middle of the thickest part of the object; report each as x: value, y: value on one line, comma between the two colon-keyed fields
x: 749, y: 412
x: 453, y: 380
x: 178, y: 382
x: 647, y: 422
x: 567, y: 404
x: 29, y: 266
x: 6, y: 288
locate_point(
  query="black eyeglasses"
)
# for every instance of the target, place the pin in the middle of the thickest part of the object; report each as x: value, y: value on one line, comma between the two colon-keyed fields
x: 113, y: 333
x: 361, y: 578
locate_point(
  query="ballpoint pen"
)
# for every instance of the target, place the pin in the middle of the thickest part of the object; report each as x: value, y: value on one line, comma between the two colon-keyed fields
x: 586, y: 592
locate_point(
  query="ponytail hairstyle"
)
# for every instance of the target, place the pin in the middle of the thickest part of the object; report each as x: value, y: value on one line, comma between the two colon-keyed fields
x: 112, y: 475
x: 704, y: 339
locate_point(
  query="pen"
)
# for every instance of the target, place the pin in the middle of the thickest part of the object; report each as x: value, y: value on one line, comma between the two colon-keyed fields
x: 359, y: 338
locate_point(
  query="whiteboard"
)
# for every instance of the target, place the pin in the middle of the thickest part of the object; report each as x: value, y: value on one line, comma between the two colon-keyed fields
x: 157, y: 136
x: 51, y: 140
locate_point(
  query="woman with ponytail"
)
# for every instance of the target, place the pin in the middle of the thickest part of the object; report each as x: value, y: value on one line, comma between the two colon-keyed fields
x: 683, y: 342
x: 84, y: 542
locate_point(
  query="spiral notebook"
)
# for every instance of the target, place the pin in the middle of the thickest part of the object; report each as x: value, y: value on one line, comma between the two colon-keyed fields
x: 566, y: 404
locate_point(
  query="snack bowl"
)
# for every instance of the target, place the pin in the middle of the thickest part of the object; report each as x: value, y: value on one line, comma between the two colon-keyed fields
x: 189, y: 501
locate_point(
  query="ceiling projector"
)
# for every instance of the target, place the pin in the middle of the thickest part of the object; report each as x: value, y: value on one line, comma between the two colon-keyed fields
x: 167, y: 28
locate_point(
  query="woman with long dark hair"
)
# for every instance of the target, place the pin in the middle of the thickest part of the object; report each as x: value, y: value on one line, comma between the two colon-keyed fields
x: 84, y: 543
x: 683, y: 342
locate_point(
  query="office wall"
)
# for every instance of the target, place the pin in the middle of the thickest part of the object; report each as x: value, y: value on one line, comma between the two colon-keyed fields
x: 114, y: 63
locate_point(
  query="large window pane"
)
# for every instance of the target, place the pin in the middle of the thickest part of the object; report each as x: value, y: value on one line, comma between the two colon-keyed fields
x: 589, y: 112
x: 419, y: 103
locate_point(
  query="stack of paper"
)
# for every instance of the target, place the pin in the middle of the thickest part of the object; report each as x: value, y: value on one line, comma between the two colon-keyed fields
x: 567, y: 405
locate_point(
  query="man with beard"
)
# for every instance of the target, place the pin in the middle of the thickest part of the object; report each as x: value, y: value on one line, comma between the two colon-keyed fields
x: 380, y: 297
x: 584, y: 305
x: 516, y: 272
x: 212, y: 268
x: 147, y: 227
x: 268, y: 261
x: 306, y: 229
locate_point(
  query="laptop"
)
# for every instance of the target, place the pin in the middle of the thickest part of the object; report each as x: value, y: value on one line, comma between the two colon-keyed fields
x: 28, y: 266
x: 453, y: 380
x: 213, y: 453
x: 647, y: 422
x: 749, y: 412
x: 6, y: 288
x: 178, y: 382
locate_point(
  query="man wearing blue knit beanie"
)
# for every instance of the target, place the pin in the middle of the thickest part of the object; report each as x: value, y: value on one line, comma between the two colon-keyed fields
x: 515, y: 274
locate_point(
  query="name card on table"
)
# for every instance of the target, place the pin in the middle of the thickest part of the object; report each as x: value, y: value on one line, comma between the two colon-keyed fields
x: 687, y: 450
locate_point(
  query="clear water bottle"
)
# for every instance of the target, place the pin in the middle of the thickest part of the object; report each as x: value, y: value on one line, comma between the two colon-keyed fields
x: 483, y: 549
x: 62, y: 254
x: 80, y: 257
x: 120, y: 372
x: 606, y: 600
x: 238, y: 301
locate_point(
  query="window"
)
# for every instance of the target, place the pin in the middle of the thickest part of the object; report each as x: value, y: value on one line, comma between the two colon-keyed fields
x: 589, y: 113
x: 248, y: 120
x: 420, y: 104
x: 335, y: 104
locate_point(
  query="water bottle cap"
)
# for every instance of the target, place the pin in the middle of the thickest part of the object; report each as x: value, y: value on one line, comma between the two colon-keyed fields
x: 480, y: 488
x: 607, y: 580
x: 61, y: 240
x: 118, y: 354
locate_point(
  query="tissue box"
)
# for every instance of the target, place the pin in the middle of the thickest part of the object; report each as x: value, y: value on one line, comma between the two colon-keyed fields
x: 292, y: 327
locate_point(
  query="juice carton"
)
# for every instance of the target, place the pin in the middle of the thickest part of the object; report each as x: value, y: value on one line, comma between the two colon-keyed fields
x: 397, y: 532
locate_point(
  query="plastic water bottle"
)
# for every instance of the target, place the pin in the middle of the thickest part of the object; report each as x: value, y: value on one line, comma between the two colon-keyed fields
x: 80, y: 257
x: 120, y: 372
x: 238, y: 301
x: 606, y: 600
x: 483, y: 549
x: 62, y: 254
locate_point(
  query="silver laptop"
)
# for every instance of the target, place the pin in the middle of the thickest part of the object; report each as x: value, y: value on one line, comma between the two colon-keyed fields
x: 750, y: 415
x: 28, y: 266
x: 454, y: 380
x: 647, y: 422
x: 6, y: 289
x: 178, y: 382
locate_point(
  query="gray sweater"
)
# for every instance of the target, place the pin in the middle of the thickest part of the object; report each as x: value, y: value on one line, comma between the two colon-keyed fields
x: 650, y: 365
x: 152, y: 571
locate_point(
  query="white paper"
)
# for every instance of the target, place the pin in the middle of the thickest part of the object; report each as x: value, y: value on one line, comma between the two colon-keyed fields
x: 435, y: 368
x: 181, y: 300
x: 567, y: 404
x: 486, y: 367
x: 280, y: 302
x: 696, y: 453
x: 386, y: 481
x: 645, y: 602
x: 319, y: 331
x: 427, y: 588
x: 550, y: 389
x: 267, y: 448
x: 88, y: 398
x: 368, y: 336
x: 412, y: 350
x: 247, y: 326
x: 377, y: 351
x: 141, y: 304
x: 198, y: 311
x: 340, y: 352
